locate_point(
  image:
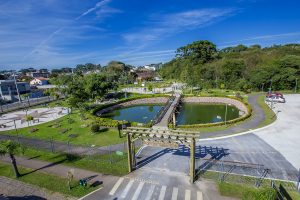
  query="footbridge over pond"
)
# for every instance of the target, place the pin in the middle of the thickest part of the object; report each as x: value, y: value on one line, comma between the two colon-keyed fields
x: 167, y: 114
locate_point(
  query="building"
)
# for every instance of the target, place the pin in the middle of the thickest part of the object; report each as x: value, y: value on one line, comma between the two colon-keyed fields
x: 38, y: 74
x: 8, y: 90
x: 39, y: 81
x: 145, y: 75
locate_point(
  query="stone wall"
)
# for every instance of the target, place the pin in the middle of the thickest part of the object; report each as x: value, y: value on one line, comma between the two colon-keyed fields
x: 222, y: 100
x: 154, y: 100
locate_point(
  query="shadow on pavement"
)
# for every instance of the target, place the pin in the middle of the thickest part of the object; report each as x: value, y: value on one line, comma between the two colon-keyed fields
x: 46, y: 166
x: 30, y: 197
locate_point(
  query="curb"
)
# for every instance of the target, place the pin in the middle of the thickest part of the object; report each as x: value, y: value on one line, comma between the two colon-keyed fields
x: 238, y: 134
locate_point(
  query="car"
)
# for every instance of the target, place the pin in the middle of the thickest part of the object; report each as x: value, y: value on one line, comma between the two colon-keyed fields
x: 276, y: 99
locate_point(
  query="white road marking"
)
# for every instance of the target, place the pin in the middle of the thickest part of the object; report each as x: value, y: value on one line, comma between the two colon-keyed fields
x: 199, y: 196
x: 138, y: 191
x: 150, y: 192
x: 162, y: 192
x: 116, y: 186
x: 128, y: 186
x: 175, y: 193
x: 187, y: 195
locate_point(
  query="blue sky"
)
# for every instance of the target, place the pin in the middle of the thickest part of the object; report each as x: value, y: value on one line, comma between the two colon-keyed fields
x: 56, y: 33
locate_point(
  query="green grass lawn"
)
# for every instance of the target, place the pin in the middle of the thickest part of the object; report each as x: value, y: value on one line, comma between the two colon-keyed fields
x: 78, y: 127
x: 270, y: 116
x: 246, y: 192
x: 50, y: 182
x: 107, y: 164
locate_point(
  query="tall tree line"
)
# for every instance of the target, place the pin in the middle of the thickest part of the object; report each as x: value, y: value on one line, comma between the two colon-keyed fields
x: 240, y: 68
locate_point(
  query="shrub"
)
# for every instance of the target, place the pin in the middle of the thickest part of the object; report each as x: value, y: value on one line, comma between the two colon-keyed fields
x: 33, y: 130
x: 28, y: 118
x: 71, y: 121
x: 64, y: 130
x: 95, y: 128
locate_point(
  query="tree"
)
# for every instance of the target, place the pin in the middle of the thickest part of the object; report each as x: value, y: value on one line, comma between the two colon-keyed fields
x: 203, y: 51
x: 96, y: 85
x: 11, y: 148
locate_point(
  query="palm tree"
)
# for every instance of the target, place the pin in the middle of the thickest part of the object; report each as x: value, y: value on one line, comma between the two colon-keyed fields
x: 11, y: 148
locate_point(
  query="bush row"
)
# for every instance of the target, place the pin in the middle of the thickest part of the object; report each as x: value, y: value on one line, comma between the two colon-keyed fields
x: 96, y: 108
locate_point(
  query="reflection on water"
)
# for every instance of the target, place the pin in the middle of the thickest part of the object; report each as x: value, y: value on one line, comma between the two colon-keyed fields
x: 141, y: 114
x: 196, y: 113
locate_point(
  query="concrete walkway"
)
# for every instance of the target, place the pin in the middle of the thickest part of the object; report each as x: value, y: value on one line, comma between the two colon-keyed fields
x: 164, y: 122
x: 16, y: 120
x: 137, y: 185
x: 63, y: 147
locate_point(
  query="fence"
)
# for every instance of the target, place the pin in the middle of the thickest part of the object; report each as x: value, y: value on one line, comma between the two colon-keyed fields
x: 25, y: 104
x: 110, y: 154
x: 251, y: 174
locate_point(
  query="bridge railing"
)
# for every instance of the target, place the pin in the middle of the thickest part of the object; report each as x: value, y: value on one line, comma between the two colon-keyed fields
x: 163, y: 110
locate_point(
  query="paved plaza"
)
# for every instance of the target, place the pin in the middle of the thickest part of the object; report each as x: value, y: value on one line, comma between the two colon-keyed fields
x: 17, y: 119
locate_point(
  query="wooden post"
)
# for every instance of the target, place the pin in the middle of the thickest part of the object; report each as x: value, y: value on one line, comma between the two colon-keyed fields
x: 174, y: 119
x: 129, y: 152
x: 192, y: 160
x: 133, y: 155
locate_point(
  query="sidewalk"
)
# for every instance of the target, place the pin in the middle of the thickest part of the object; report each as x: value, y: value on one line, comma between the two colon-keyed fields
x: 107, y: 181
x: 61, y: 170
x: 14, y: 189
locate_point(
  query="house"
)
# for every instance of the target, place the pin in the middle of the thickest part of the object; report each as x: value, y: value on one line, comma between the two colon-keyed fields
x: 9, y: 92
x: 38, y: 74
x: 145, y: 75
x: 39, y: 81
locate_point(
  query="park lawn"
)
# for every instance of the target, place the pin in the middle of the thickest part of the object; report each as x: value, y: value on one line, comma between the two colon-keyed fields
x: 48, y: 181
x: 245, y: 192
x: 105, y: 137
x: 107, y: 164
x: 270, y: 116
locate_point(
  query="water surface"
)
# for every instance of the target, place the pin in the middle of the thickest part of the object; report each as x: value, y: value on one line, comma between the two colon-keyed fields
x: 197, y: 113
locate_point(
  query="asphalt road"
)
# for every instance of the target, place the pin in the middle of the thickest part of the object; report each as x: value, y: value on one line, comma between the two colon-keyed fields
x: 275, y: 148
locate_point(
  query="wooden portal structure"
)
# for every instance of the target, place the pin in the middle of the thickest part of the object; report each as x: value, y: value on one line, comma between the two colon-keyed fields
x: 162, y: 138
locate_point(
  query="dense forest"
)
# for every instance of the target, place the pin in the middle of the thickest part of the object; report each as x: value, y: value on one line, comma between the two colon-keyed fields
x: 243, y: 68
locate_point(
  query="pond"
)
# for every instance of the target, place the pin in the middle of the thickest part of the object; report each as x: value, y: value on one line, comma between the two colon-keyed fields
x: 196, y: 113
x: 140, y: 113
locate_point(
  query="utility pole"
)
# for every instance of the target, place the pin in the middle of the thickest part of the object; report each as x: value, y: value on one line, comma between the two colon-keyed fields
x: 226, y: 114
x: 296, y: 85
x: 270, y: 89
x: 17, y: 88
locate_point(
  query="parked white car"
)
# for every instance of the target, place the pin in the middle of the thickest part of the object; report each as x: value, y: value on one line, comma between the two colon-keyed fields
x: 276, y: 99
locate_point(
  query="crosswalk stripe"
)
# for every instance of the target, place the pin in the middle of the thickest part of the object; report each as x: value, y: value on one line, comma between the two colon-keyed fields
x: 150, y: 192
x: 128, y: 186
x: 187, y: 195
x: 138, y: 191
x: 175, y: 193
x: 116, y: 186
x: 199, y: 196
x: 162, y: 192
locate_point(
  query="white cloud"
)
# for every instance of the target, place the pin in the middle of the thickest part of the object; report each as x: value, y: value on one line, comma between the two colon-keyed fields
x: 262, y: 38
x: 97, y: 6
x: 165, y: 25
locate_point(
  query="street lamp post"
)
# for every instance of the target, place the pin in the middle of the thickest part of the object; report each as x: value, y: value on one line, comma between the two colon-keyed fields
x: 226, y: 112
x: 296, y: 85
x: 19, y: 97
x: 270, y: 89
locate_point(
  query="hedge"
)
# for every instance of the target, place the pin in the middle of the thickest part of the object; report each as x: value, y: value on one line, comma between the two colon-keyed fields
x: 95, y: 109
